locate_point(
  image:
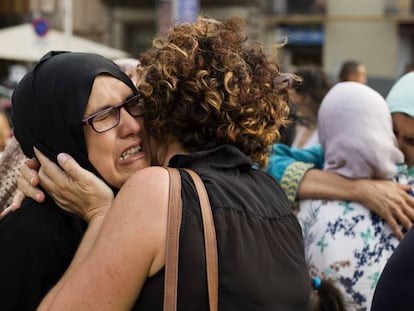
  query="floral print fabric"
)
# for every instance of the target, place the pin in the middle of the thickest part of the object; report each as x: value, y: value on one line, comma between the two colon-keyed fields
x: 346, y: 242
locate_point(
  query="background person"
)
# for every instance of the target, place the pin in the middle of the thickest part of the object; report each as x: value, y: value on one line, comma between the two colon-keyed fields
x: 344, y: 241
x: 298, y: 170
x: 397, y: 277
x: 306, y: 98
x: 400, y: 101
x: 129, y: 66
x: 352, y: 70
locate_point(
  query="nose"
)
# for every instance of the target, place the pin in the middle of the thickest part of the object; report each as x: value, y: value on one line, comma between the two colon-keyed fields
x: 128, y: 124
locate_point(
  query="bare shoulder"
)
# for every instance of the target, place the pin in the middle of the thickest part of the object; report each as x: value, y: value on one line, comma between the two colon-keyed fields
x: 150, y: 178
x: 146, y: 188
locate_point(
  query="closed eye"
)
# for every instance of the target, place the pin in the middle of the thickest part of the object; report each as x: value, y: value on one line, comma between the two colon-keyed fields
x: 102, y: 115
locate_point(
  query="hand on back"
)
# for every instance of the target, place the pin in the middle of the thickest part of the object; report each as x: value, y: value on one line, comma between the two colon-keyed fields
x: 390, y: 201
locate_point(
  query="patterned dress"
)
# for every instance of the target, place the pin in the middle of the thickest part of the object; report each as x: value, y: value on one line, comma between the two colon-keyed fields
x: 348, y: 243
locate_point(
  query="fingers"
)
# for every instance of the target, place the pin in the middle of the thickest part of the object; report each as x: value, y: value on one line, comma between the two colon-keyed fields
x: 73, y: 188
x: 29, y: 173
x: 399, y: 217
x: 17, y: 200
x: 16, y: 203
x: 6, y: 211
x: 74, y: 171
x: 404, y: 187
x: 403, y: 219
x: 394, y: 226
x: 70, y: 166
x: 406, y: 213
x: 43, y: 160
x: 26, y: 183
x: 33, y: 164
x: 49, y: 172
x: 410, y: 202
x: 400, y: 212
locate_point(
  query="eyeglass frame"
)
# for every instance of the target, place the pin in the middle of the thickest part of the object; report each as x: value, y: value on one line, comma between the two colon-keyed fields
x: 89, y: 120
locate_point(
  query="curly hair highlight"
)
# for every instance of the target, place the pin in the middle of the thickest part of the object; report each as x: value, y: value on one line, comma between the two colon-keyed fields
x: 205, y: 85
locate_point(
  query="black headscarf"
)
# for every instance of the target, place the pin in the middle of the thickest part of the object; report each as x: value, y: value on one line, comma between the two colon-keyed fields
x: 49, y: 103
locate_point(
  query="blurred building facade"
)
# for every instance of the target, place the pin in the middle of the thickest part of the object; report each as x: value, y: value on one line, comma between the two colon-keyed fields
x: 378, y: 33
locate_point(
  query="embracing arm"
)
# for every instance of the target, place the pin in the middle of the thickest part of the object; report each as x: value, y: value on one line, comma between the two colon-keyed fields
x: 120, y: 249
x: 282, y: 156
x: 386, y: 198
x: 70, y: 189
x: 296, y: 170
x: 84, y: 249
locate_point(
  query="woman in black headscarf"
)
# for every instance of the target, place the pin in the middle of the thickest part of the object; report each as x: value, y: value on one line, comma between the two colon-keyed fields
x: 49, y: 104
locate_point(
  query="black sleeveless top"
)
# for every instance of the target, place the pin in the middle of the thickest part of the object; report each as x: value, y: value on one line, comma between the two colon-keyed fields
x: 260, y: 248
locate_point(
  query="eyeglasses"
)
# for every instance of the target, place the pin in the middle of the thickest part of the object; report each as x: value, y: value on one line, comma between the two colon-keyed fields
x: 109, y: 118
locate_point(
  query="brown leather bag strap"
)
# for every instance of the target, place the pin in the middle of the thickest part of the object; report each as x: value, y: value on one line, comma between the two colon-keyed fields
x: 210, y: 240
x: 173, y: 235
x: 172, y: 242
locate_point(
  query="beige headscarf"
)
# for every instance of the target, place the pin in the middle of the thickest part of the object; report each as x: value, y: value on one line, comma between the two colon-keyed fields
x: 355, y: 130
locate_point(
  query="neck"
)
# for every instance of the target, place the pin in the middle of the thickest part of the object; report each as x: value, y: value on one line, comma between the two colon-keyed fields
x: 171, y: 150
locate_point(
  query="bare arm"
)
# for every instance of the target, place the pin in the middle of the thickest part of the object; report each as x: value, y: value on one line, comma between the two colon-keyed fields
x: 386, y: 198
x: 121, y: 247
x: 78, y: 187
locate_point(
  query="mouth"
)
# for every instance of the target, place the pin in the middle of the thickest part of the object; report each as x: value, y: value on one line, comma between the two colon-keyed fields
x: 130, y: 152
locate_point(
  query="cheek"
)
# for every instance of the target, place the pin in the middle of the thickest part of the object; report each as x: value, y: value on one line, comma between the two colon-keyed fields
x: 409, y: 153
x: 100, y: 151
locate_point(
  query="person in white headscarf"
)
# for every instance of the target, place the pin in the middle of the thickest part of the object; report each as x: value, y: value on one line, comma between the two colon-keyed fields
x: 394, y: 286
x: 400, y: 101
x: 345, y: 241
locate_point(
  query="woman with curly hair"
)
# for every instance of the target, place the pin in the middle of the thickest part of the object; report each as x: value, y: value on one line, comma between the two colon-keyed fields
x: 213, y: 102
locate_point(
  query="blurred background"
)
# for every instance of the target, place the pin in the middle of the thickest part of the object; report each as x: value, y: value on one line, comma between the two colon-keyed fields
x: 377, y: 33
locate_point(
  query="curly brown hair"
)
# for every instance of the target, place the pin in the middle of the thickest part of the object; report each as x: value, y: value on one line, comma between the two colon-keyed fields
x: 205, y: 85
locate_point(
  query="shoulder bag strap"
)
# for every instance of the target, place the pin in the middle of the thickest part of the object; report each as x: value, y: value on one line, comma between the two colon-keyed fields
x: 210, y: 240
x: 172, y: 242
